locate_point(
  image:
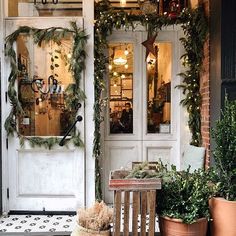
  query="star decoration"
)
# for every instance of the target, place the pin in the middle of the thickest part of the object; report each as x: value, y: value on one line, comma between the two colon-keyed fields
x: 149, y: 45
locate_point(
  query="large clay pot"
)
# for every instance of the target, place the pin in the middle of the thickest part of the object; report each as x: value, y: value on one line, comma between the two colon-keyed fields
x: 223, y: 214
x: 81, y: 231
x: 176, y: 227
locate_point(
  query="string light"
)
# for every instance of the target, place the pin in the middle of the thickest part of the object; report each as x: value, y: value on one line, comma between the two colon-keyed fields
x: 126, y: 52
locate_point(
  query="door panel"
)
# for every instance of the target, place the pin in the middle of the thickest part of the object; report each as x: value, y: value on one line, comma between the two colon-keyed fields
x: 119, y: 155
x: 40, y: 175
x: 41, y: 179
x: 166, y: 151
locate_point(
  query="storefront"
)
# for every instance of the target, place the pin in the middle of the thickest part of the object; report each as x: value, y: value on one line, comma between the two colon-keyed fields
x: 137, y: 118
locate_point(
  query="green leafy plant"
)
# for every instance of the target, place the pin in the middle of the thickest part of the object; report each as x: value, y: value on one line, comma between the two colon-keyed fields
x: 224, y: 134
x: 185, y: 195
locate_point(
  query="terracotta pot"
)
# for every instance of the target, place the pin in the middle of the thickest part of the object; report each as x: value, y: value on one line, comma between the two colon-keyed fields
x: 81, y: 231
x: 223, y: 214
x: 176, y: 227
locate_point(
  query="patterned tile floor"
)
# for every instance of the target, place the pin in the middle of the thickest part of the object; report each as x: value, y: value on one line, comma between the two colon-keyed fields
x: 37, y: 225
x: 50, y: 225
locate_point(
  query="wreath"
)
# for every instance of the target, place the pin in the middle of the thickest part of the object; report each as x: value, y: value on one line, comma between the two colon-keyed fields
x: 76, y: 66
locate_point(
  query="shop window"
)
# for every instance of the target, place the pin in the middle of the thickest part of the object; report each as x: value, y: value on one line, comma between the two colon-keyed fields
x: 43, y: 81
x: 159, y: 68
x: 121, y: 88
x: 41, y: 8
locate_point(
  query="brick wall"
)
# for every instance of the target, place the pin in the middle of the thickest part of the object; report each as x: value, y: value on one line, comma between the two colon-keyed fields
x: 205, y: 92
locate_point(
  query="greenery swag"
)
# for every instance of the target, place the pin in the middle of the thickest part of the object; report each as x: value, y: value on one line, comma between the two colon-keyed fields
x: 195, y: 27
x: 77, y: 65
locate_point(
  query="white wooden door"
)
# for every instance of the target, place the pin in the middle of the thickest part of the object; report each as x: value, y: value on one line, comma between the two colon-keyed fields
x: 39, y: 179
x: 121, y: 149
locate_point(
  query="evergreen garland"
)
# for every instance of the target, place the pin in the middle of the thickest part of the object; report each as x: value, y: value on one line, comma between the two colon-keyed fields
x: 194, y: 25
x: 77, y: 65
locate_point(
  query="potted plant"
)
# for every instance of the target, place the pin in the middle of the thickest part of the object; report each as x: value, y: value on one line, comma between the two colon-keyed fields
x: 223, y: 206
x: 183, y: 203
x: 94, y: 221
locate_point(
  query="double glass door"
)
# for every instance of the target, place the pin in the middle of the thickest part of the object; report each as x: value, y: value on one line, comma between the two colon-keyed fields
x: 143, y: 108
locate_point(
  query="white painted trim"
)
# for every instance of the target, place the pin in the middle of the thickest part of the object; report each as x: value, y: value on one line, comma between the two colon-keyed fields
x: 88, y: 13
x: 5, y: 181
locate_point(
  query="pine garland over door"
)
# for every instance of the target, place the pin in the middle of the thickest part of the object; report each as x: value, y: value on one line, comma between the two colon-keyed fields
x: 77, y: 65
x: 195, y: 28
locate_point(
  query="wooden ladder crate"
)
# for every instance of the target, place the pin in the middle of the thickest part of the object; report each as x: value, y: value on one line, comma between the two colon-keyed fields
x: 141, y: 193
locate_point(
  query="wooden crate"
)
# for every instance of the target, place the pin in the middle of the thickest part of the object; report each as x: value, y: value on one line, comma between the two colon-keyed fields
x: 117, y: 181
x: 143, y: 194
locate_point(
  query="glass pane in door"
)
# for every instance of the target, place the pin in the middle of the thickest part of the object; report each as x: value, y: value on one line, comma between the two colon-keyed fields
x: 44, y: 83
x: 121, y: 88
x: 159, y: 68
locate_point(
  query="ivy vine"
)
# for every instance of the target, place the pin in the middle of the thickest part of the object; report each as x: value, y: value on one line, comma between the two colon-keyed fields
x: 76, y: 66
x: 195, y: 28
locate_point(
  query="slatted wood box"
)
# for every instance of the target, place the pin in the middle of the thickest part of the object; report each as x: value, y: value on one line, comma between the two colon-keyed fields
x: 141, y: 194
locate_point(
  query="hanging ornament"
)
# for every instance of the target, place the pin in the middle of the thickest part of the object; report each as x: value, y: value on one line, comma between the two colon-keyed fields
x: 149, y: 45
x: 174, y: 9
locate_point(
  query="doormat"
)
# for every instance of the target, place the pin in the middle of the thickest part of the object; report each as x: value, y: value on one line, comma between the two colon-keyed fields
x: 50, y: 225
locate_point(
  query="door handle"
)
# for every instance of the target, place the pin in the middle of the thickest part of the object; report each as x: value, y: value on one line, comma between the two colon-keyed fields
x: 78, y: 118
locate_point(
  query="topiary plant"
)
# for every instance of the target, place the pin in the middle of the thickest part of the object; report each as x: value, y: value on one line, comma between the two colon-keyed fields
x: 224, y: 134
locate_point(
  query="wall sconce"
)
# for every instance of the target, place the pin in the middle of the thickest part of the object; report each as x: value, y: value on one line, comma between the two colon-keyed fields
x: 46, y: 1
x: 119, y: 58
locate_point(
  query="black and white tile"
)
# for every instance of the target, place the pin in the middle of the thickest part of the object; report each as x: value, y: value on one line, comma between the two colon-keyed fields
x: 50, y: 225
x: 37, y: 224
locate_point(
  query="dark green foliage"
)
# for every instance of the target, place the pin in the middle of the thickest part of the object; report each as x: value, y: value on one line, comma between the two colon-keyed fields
x: 185, y: 195
x: 195, y: 27
x: 195, y: 31
x: 224, y: 154
x: 142, y: 171
x: 77, y: 65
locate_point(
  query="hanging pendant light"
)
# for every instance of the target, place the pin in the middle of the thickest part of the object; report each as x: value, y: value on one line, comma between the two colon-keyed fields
x: 119, y: 58
x: 122, y: 3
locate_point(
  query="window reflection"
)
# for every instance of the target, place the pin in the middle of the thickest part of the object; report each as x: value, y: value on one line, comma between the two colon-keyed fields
x: 43, y: 81
x: 159, y: 89
x: 121, y: 88
x: 32, y: 8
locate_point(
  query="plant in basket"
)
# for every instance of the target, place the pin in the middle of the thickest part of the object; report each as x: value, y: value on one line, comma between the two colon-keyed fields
x: 94, y: 221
